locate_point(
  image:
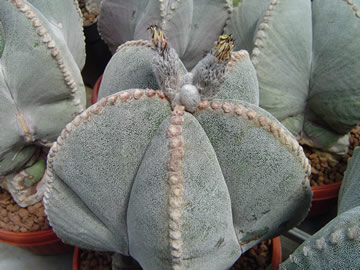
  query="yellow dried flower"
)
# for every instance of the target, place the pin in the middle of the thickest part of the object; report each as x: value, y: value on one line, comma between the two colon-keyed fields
x: 158, y: 37
x: 223, y: 47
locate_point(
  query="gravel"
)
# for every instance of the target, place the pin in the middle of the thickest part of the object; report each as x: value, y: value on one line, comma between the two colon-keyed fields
x: 16, y: 219
x: 327, y: 168
x: 256, y: 258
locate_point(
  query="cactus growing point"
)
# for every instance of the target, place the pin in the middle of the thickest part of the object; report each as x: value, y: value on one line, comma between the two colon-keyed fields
x: 189, y: 176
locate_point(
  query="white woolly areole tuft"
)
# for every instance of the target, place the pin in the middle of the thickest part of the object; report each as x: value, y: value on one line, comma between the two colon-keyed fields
x: 188, y: 96
x: 320, y: 243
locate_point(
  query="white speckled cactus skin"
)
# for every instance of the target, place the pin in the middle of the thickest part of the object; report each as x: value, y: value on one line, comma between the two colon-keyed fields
x: 130, y: 67
x: 41, y: 52
x: 337, y: 245
x: 138, y: 174
x: 191, y: 30
x: 306, y: 58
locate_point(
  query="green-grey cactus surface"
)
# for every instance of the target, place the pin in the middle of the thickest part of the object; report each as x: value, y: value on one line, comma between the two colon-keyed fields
x: 41, y: 53
x: 189, y: 176
x: 306, y: 57
x: 192, y: 26
x: 337, y: 245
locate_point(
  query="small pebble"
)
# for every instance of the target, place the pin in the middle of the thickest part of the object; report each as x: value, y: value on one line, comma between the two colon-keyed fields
x: 3, y: 212
x: 23, y: 213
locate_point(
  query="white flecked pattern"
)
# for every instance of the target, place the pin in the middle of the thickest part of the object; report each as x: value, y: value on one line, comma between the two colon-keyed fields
x: 50, y: 43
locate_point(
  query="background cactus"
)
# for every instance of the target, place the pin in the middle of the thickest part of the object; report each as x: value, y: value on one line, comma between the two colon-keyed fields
x: 41, y: 53
x: 191, y: 31
x: 138, y: 174
x: 335, y: 246
x: 93, y: 6
x: 305, y: 54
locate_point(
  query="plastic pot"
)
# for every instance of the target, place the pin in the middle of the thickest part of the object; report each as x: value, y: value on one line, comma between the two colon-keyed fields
x: 276, y: 258
x: 41, y: 242
x: 324, y: 197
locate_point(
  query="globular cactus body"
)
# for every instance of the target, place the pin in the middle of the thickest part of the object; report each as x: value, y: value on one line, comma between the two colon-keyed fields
x: 178, y: 186
x: 41, y: 53
x: 305, y: 56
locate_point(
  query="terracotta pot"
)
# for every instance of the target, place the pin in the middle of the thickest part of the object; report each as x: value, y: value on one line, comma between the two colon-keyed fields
x: 41, y: 243
x: 95, y: 92
x: 276, y: 258
x: 75, y: 261
x: 324, y: 197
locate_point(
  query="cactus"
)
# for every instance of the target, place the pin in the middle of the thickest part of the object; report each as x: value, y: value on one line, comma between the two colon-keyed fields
x: 192, y: 26
x: 305, y: 54
x: 41, y: 52
x: 235, y: 2
x: 93, y: 6
x: 186, y: 177
x: 335, y: 246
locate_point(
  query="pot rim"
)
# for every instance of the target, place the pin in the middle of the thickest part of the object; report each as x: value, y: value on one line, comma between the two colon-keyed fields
x: 24, y: 239
x: 95, y: 92
x: 325, y: 192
